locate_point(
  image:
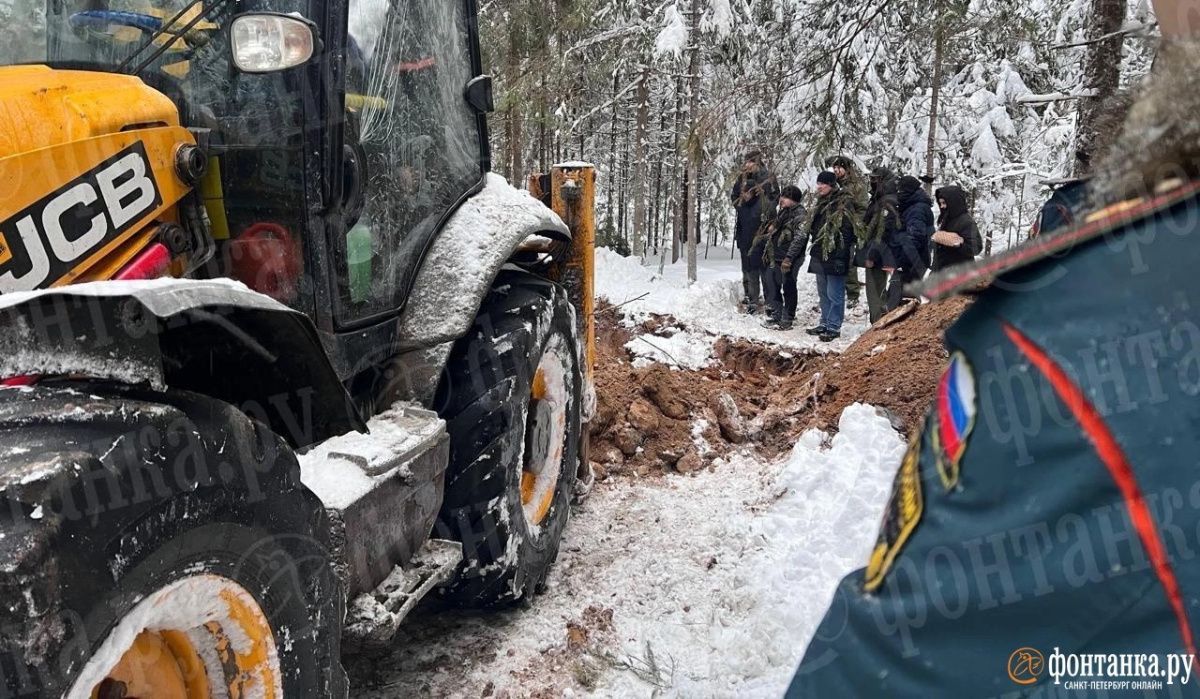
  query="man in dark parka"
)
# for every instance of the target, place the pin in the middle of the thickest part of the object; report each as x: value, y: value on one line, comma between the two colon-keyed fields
x: 910, y: 248
x: 851, y: 182
x: 754, y: 198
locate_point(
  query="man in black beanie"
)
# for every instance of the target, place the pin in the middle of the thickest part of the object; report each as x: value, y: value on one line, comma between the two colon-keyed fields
x: 775, y: 246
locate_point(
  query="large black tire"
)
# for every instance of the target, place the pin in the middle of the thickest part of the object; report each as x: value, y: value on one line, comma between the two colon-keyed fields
x: 168, y: 486
x: 485, y: 398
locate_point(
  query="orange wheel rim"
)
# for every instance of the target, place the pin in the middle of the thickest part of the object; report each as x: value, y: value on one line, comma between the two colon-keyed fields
x: 546, y: 433
x: 152, y: 667
x: 221, y: 640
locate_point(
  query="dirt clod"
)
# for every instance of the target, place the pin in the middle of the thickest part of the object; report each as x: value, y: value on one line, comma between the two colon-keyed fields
x: 628, y: 440
x: 577, y: 636
x: 643, y: 416
x: 660, y: 389
x: 729, y: 419
x: 669, y: 456
x: 689, y: 463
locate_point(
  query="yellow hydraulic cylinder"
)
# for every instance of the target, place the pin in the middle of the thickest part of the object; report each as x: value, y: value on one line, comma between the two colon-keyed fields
x: 573, y: 197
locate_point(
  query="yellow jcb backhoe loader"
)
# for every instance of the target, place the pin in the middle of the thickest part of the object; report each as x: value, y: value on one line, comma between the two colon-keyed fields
x: 278, y: 355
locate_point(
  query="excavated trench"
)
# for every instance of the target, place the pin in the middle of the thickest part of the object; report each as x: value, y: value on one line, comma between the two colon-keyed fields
x: 653, y: 420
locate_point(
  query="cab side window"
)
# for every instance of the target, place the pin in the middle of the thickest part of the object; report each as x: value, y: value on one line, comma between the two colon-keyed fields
x: 415, y: 141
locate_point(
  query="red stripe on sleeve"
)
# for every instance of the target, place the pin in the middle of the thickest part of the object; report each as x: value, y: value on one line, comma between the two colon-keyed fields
x: 1119, y: 468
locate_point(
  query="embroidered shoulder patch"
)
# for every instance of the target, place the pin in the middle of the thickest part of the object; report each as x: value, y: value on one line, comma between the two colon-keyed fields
x: 900, y: 519
x: 956, y: 408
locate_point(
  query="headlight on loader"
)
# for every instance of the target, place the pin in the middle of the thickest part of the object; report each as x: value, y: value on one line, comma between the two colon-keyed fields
x: 265, y: 43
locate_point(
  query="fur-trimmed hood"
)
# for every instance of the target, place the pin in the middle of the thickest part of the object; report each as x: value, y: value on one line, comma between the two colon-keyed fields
x: 1160, y: 139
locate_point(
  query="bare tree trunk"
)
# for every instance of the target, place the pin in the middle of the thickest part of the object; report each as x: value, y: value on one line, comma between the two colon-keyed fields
x: 664, y: 178
x: 655, y: 209
x: 685, y: 205
x: 931, y: 144
x: 1102, y: 75
x: 987, y: 235
x: 516, y: 174
x: 623, y: 190
x: 543, y: 146
x: 678, y: 172
x: 1020, y: 213
x: 693, y: 142
x: 639, y: 159
x: 516, y: 170
x: 656, y: 221
x: 700, y: 204
x: 611, y: 175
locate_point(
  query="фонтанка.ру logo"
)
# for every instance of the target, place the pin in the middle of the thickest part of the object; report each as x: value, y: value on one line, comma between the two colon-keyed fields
x: 1025, y: 665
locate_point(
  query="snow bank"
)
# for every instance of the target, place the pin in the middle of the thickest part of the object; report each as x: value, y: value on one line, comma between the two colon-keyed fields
x: 709, y: 307
x: 821, y: 528
x: 776, y: 573
x: 683, y: 350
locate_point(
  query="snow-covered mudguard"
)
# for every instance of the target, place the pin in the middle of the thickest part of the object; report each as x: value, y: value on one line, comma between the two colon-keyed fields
x: 465, y: 258
x: 216, y: 338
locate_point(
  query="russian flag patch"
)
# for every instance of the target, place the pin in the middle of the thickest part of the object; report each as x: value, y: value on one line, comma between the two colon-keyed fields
x: 956, y: 408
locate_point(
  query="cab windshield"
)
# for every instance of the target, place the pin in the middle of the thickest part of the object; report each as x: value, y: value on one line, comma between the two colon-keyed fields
x: 130, y: 36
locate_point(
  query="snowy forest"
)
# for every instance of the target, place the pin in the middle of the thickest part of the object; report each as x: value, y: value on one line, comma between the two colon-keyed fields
x: 665, y: 97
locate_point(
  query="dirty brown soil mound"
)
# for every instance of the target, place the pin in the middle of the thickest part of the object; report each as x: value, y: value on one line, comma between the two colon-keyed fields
x: 655, y: 419
x: 894, y: 365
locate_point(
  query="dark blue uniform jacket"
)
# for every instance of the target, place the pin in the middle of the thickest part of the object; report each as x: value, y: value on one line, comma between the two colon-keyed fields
x: 1053, y: 498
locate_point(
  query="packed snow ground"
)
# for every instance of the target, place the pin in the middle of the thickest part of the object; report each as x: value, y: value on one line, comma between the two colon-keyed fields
x: 706, y: 585
x: 716, y: 582
x: 706, y: 309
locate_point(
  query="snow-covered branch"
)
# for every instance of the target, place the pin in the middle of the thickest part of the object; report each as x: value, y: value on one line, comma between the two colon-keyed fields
x: 1055, y: 97
x: 616, y: 98
x: 603, y: 37
x: 1136, y: 28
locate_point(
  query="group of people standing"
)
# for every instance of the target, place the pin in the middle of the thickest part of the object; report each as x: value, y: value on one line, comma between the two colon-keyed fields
x: 885, y: 226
